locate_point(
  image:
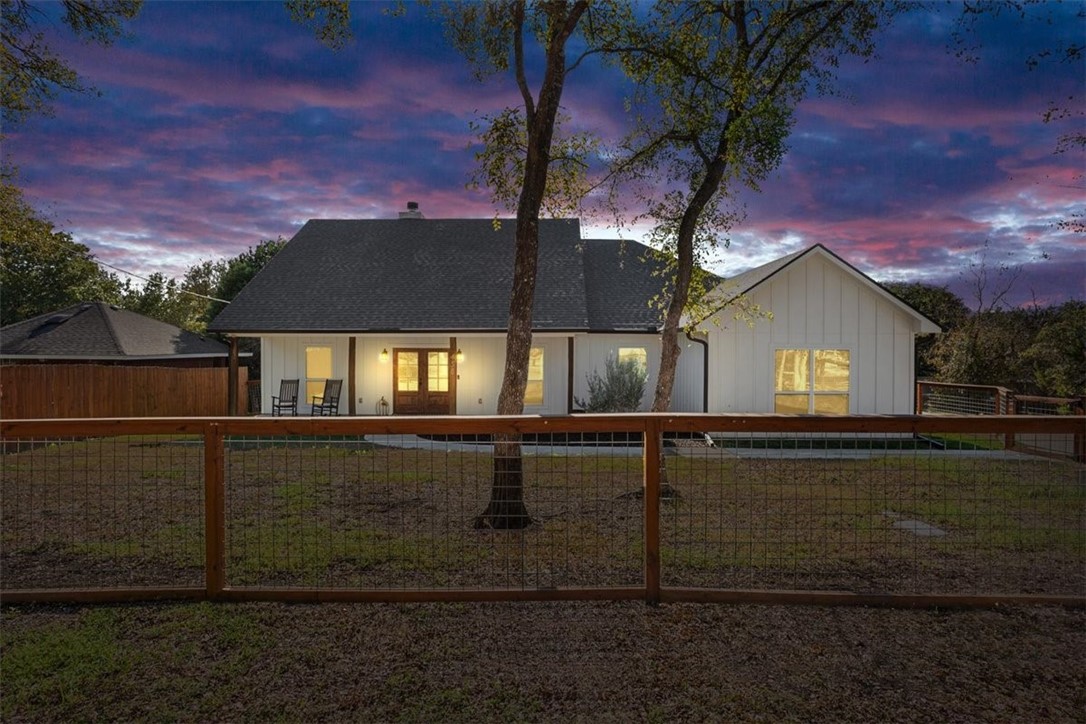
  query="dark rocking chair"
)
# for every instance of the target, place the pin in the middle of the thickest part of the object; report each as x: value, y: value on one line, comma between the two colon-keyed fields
x: 287, y: 399
x: 328, y: 403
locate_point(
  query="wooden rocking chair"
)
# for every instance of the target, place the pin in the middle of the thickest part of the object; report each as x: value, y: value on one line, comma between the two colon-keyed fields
x: 287, y: 399
x: 328, y: 403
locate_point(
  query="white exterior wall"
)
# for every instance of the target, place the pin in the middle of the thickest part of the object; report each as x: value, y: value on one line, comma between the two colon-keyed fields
x: 480, y: 374
x: 283, y: 357
x: 816, y: 305
x: 592, y: 350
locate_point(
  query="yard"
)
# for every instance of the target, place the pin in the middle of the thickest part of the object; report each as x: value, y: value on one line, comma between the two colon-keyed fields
x: 348, y: 513
x: 553, y: 662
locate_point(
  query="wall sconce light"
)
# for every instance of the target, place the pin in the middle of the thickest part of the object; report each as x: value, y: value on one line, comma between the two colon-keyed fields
x: 383, y: 357
x: 459, y: 356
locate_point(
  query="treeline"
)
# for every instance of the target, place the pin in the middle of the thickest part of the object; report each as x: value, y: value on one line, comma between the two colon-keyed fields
x: 43, y: 269
x: 1031, y: 350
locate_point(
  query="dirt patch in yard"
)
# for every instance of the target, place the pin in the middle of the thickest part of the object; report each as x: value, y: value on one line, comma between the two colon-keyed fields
x: 559, y: 662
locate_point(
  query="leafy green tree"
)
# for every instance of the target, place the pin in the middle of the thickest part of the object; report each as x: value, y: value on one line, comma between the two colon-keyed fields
x: 33, y: 73
x: 1056, y: 357
x: 43, y: 269
x: 938, y: 304
x: 231, y: 276
x: 718, y: 84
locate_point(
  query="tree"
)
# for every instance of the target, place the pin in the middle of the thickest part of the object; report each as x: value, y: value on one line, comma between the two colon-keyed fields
x: 1056, y: 358
x: 32, y: 72
x: 43, y: 269
x: 228, y: 278
x: 492, y: 36
x: 720, y: 82
x: 938, y: 304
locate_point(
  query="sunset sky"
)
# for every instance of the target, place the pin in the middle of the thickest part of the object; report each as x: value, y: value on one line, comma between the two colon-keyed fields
x: 222, y: 124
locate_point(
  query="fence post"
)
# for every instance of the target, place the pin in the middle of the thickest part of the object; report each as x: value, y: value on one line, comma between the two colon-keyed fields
x: 919, y: 398
x: 214, y: 511
x: 651, y: 468
x: 1008, y: 406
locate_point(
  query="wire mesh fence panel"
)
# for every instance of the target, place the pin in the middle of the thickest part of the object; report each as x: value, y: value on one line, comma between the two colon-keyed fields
x: 949, y: 399
x: 114, y: 512
x: 947, y: 513
x: 407, y: 512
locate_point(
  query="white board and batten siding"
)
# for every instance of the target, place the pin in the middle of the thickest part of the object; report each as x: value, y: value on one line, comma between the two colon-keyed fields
x: 816, y: 304
x: 592, y: 350
x: 282, y: 357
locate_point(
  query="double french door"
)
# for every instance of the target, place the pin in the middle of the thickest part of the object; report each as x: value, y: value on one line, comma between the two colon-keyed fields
x: 421, y: 382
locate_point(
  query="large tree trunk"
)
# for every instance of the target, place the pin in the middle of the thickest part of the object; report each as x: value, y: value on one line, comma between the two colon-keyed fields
x: 506, y: 509
x: 680, y: 295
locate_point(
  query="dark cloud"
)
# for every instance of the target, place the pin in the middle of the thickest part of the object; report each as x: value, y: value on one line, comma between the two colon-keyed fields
x: 221, y: 124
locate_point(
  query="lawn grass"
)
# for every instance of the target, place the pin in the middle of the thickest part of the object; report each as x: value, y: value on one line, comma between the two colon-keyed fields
x: 344, y: 513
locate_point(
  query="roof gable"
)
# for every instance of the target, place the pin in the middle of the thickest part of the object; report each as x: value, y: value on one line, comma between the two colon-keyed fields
x: 101, y: 331
x: 748, y: 281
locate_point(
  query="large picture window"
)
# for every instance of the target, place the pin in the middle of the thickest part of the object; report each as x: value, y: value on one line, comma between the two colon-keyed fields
x: 533, y: 392
x: 318, y: 368
x: 811, y: 381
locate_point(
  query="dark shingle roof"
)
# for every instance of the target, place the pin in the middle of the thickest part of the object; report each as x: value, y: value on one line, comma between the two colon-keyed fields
x: 622, y: 280
x: 101, y: 331
x: 409, y: 274
x: 444, y: 274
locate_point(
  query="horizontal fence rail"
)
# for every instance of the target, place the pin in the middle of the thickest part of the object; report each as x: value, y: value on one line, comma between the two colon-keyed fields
x: 872, y: 510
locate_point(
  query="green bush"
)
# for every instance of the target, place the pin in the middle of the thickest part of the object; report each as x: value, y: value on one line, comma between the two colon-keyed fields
x: 620, y: 390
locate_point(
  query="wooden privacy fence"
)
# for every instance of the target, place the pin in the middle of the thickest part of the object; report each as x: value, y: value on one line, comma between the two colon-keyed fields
x: 93, y: 391
x: 904, y: 511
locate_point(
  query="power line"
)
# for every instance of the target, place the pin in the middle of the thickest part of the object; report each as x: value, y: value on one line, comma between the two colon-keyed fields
x: 132, y: 274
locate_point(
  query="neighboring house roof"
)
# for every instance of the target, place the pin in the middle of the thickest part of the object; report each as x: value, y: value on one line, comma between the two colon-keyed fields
x: 741, y: 284
x: 96, y: 330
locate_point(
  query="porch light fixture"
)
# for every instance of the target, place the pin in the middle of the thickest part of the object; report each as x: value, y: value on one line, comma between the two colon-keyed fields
x: 383, y: 357
x: 459, y: 356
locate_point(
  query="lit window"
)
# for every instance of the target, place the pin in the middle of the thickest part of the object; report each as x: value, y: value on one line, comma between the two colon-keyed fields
x: 811, y: 381
x: 533, y: 393
x: 407, y: 371
x: 637, y: 354
x: 318, y: 368
x: 437, y: 371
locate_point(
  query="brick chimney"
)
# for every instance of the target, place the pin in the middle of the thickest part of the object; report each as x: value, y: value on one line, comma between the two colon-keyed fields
x: 412, y: 211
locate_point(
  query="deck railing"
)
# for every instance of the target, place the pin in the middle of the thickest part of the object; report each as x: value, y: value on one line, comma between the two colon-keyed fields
x: 858, y: 510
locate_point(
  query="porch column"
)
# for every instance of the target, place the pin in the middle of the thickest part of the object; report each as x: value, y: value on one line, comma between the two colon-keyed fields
x: 454, y: 375
x: 232, y: 379
x: 352, y: 396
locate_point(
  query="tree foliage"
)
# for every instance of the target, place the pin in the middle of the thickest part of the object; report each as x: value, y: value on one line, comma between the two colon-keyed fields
x: 938, y: 304
x: 43, y: 269
x: 718, y: 84
x: 33, y: 73
x: 1039, y: 351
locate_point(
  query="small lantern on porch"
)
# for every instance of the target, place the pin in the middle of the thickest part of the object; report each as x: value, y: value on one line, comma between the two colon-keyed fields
x: 383, y: 357
x: 459, y: 356
x: 382, y: 407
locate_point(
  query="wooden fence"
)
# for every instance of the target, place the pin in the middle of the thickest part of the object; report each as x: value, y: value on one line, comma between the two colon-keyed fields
x: 80, y: 391
x: 255, y: 506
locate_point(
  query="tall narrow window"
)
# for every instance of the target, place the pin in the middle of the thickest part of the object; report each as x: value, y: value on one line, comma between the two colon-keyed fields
x: 318, y: 368
x: 437, y: 371
x: 533, y: 393
x: 637, y: 354
x: 810, y: 381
